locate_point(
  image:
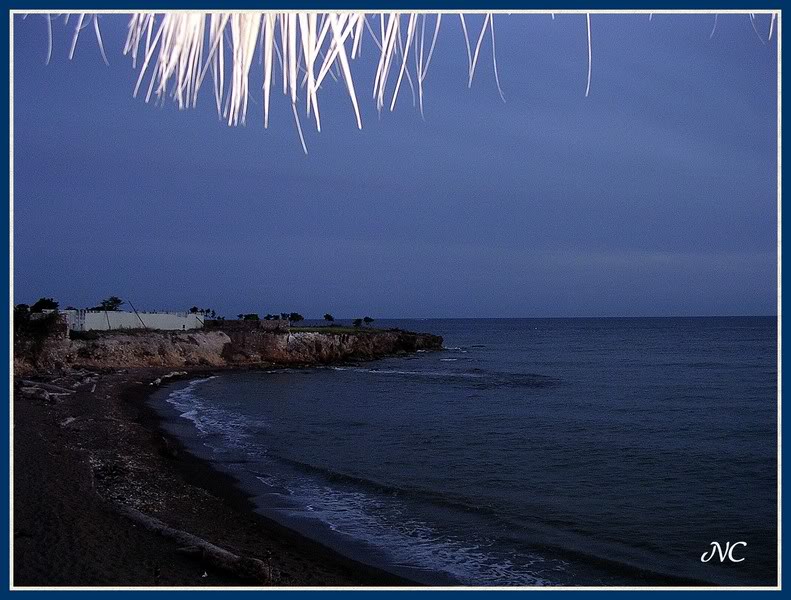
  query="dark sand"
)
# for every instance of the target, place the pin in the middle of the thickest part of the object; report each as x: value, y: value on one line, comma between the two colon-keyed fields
x: 76, y: 456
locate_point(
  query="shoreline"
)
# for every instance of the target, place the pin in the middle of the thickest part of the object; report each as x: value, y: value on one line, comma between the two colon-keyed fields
x: 107, y: 445
x: 77, y: 458
x: 201, y: 472
x: 151, y: 470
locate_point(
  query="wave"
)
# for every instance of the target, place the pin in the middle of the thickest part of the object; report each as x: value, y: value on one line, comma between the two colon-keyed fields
x: 475, y: 377
x: 703, y: 364
x: 378, y: 513
x: 376, y: 516
x: 546, y: 544
x: 444, y: 500
x: 232, y: 429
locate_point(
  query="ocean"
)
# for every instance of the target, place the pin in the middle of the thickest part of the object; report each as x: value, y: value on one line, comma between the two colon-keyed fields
x: 528, y: 452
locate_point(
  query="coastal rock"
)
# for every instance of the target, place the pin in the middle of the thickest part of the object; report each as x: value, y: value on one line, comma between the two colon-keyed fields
x: 150, y: 349
x: 317, y: 348
x: 217, y: 348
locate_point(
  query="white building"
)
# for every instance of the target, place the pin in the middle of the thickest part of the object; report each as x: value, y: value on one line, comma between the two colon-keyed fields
x: 101, y: 320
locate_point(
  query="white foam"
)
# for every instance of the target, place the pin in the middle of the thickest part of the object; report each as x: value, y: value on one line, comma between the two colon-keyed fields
x: 385, y: 524
x: 234, y: 428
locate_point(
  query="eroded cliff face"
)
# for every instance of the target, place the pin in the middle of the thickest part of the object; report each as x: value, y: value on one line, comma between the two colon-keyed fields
x: 216, y: 348
x: 308, y: 348
x: 151, y: 349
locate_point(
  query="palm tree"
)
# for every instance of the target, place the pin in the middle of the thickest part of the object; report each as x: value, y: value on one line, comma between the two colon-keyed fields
x: 329, y: 318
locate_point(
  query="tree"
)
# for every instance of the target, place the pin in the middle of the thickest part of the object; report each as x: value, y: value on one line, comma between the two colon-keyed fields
x: 368, y: 320
x: 111, y: 304
x: 357, y: 322
x: 44, y: 304
x: 240, y: 316
x: 194, y: 310
x: 21, y: 321
x: 213, y: 314
x: 295, y: 317
x: 252, y: 317
x: 21, y: 314
x: 284, y: 316
x: 329, y: 318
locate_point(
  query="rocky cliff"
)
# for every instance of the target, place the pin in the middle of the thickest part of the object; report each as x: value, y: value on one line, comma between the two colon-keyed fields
x: 219, y: 349
x: 311, y: 348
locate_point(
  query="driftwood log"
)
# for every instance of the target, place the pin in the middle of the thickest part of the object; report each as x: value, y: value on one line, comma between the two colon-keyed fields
x: 52, y: 389
x: 244, y: 567
x: 36, y: 391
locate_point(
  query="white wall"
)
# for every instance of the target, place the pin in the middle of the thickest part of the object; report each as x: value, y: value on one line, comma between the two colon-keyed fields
x: 84, y: 320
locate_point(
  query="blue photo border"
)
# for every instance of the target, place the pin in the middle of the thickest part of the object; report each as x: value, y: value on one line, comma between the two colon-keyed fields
x: 5, y: 324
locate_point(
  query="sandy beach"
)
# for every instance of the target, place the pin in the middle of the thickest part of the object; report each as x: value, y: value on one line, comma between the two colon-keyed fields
x: 79, y: 458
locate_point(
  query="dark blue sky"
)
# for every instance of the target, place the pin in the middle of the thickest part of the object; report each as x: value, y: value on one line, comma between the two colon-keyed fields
x: 656, y: 195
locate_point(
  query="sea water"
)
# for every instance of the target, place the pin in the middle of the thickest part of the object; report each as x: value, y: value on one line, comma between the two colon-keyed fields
x: 527, y: 452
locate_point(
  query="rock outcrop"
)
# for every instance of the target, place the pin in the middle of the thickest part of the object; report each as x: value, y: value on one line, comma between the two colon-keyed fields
x: 150, y: 349
x: 312, y: 348
x: 216, y: 348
